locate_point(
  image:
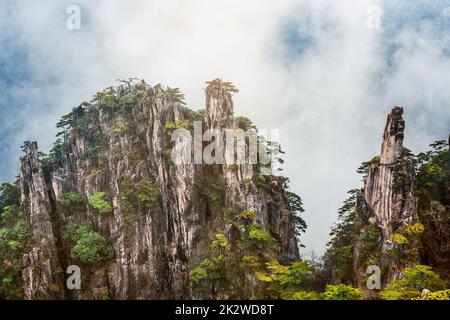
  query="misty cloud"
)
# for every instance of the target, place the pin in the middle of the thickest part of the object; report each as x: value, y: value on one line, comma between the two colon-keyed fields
x: 309, y: 68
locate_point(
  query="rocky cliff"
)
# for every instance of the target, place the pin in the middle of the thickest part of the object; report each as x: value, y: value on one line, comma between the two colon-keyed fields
x: 376, y: 222
x: 110, y: 185
x: 387, y: 198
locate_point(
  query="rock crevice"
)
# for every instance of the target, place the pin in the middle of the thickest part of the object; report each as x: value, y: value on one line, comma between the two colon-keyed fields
x: 120, y: 145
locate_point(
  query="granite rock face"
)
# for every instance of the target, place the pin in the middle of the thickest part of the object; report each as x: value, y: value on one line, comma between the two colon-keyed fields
x: 39, y: 213
x: 153, y: 245
x: 388, y: 196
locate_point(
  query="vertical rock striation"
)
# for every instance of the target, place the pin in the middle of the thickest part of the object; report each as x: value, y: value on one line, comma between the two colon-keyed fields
x: 387, y: 198
x: 39, y: 213
x: 240, y: 189
x: 119, y: 145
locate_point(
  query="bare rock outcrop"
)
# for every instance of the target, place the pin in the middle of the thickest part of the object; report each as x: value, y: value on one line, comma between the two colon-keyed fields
x: 119, y: 145
x: 387, y: 198
x: 39, y: 213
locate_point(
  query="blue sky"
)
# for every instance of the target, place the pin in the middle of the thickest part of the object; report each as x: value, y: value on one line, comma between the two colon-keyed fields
x: 309, y: 68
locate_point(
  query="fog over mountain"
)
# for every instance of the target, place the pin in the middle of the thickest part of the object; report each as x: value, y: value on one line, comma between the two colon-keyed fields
x: 312, y: 69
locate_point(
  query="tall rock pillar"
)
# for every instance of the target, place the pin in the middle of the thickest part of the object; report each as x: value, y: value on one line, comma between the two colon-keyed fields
x: 42, y: 273
x: 388, y: 189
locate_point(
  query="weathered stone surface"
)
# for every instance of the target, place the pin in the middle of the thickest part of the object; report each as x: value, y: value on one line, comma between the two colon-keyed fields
x: 392, y: 146
x: 240, y: 189
x: 37, y: 208
x: 387, y: 198
x: 152, y: 246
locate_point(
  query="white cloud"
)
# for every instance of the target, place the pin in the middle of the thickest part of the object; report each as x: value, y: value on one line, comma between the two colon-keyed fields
x: 446, y: 12
x: 329, y: 102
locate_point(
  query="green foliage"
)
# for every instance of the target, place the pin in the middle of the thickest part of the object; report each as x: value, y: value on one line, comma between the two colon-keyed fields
x: 148, y: 193
x: 243, y: 123
x: 72, y: 202
x: 25, y: 145
x: 305, y: 295
x: 246, y: 251
x: 248, y: 215
x: 107, y: 100
x: 415, y: 279
x: 341, y: 292
x: 399, y: 239
x: 259, y: 235
x: 55, y: 158
x: 355, y: 231
x: 286, y: 281
x: 128, y: 197
x: 415, y: 229
x: 173, y: 94
x: 15, y: 236
x: 295, y: 205
x: 211, y: 269
x: 433, y: 166
x: 223, y: 273
x: 9, y: 214
x: 100, y: 203
x: 218, y: 84
x: 250, y: 262
x: 192, y: 115
x: 90, y: 247
x: 212, y: 189
x: 220, y: 241
x: 433, y: 191
x: 343, y: 256
x: 365, y: 167
x: 370, y: 238
x: 81, y: 121
x: 433, y: 170
x: 293, y: 201
x: 179, y: 124
x: 104, y: 295
x: 120, y: 126
x: 77, y: 119
x: 439, y: 295
x: 339, y: 255
x: 135, y: 197
x: 96, y: 143
x: 227, y: 274
x: 290, y: 276
x: 198, y: 275
x: 10, y: 194
x: 128, y: 99
x: 73, y: 231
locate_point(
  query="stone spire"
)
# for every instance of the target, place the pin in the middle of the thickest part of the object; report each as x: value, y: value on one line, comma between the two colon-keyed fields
x: 219, y: 104
x: 392, y: 146
x: 37, y: 208
x: 388, y: 189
